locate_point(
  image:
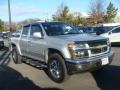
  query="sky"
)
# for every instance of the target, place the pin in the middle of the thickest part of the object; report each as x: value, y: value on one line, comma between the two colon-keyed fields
x: 43, y: 9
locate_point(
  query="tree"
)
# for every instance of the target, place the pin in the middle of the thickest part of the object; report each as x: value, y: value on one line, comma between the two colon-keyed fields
x: 1, y: 25
x: 111, y: 13
x: 97, y: 11
x: 78, y: 19
x: 63, y: 14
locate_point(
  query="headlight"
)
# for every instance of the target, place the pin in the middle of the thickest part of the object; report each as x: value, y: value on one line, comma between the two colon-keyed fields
x: 77, y: 50
x: 71, y: 47
x: 76, y: 46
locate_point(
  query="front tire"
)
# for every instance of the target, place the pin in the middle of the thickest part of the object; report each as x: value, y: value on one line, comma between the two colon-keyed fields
x: 17, y: 59
x: 56, y: 68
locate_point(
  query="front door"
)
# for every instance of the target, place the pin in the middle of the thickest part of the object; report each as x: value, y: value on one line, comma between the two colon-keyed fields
x: 36, y: 46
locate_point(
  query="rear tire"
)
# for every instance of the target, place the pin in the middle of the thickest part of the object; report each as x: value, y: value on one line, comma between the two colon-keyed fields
x: 2, y: 45
x: 17, y: 59
x: 57, y: 70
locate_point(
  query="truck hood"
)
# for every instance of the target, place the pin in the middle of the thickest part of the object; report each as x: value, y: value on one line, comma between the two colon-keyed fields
x: 79, y: 37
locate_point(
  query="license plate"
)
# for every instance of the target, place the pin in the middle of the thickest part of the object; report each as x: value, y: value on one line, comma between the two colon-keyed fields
x: 105, y: 61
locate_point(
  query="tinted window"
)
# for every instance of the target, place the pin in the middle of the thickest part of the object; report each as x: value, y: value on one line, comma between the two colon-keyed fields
x: 35, y: 28
x: 25, y: 30
x: 117, y: 30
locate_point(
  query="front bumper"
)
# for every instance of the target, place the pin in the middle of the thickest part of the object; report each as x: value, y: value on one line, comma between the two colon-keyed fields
x: 88, y: 64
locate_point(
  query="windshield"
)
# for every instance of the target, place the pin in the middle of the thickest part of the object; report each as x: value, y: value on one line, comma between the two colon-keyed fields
x: 59, y: 28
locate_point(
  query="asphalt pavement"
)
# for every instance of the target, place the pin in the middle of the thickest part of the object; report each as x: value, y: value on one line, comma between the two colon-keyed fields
x: 26, y: 77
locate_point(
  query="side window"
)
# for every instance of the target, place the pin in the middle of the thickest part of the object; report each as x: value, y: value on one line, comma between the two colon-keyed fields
x: 25, y: 30
x: 117, y: 30
x: 35, y: 28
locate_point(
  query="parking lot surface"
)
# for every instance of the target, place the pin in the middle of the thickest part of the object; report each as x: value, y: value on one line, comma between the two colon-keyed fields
x: 26, y: 77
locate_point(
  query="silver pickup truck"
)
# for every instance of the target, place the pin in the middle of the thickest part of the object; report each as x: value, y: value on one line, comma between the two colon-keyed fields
x: 60, y: 49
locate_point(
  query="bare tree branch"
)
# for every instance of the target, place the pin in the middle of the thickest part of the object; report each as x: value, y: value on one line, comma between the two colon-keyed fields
x: 97, y: 11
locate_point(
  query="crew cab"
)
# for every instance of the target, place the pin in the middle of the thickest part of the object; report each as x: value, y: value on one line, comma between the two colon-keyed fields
x: 60, y: 49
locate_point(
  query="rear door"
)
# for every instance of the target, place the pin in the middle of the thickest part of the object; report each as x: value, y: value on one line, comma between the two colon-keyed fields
x: 115, y: 35
x: 24, y: 40
x: 36, y: 46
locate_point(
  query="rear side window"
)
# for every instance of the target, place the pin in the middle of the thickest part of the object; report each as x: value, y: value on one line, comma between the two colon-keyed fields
x: 25, y: 30
x: 117, y: 30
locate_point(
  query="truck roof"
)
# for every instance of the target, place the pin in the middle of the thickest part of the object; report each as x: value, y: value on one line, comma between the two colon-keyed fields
x: 47, y: 22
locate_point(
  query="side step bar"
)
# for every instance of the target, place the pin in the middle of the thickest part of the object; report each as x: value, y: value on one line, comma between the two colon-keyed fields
x: 35, y: 63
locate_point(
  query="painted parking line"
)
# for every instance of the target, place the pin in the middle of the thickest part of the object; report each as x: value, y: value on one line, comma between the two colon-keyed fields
x: 4, y: 58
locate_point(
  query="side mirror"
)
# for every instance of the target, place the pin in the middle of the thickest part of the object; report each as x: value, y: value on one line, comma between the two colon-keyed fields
x: 37, y: 35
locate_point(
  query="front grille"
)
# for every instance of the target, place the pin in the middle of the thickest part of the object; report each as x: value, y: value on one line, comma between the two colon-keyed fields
x: 98, y: 47
x: 97, y: 43
x: 93, y: 48
x: 98, y: 50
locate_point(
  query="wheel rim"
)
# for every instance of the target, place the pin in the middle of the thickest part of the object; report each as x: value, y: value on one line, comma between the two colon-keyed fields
x: 14, y: 56
x: 55, y: 69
